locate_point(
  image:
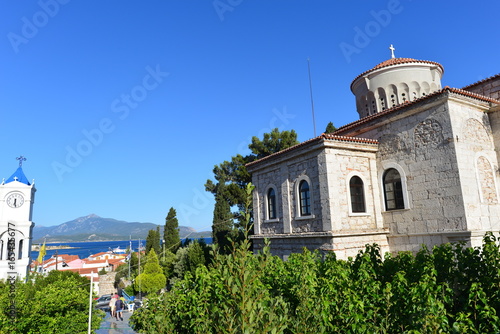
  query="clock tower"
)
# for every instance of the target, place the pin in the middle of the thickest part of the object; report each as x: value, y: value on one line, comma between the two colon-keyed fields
x: 17, y: 196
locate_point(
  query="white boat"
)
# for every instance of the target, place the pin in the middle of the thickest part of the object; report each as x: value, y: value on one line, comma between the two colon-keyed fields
x: 118, y: 250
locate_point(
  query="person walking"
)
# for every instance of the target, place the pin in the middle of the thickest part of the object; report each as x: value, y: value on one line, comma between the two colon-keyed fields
x: 112, y: 305
x: 119, y: 309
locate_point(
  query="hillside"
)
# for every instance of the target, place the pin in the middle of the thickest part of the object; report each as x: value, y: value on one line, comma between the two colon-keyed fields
x: 95, y: 228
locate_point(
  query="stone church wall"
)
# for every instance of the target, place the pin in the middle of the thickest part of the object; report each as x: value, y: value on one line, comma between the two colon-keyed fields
x: 342, y: 165
x: 420, y: 146
x: 299, y: 169
x: 332, y: 226
x: 284, y: 177
x: 478, y: 165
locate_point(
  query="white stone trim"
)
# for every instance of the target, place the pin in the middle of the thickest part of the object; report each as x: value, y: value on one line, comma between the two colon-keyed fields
x: 305, y: 217
x: 388, y: 165
x: 257, y: 213
x: 478, y: 176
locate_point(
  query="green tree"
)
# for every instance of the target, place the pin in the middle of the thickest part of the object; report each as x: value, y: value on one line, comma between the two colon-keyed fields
x: 272, y: 142
x: 152, y: 279
x: 195, y: 256
x: 222, y: 225
x: 231, y: 179
x: 57, y: 303
x: 153, y: 241
x: 330, y: 128
x: 171, y: 231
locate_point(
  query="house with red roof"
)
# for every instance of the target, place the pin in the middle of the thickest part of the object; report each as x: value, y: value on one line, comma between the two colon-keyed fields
x: 420, y: 166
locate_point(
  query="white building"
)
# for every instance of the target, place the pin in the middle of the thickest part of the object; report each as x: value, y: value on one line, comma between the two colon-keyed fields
x: 420, y: 166
x: 17, y: 196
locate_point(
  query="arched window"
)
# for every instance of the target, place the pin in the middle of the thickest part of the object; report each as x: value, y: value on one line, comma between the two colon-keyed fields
x: 393, y: 190
x: 271, y: 204
x: 304, y: 198
x: 357, y: 194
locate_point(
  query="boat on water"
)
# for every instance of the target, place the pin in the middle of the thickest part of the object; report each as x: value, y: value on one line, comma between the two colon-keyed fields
x: 119, y: 250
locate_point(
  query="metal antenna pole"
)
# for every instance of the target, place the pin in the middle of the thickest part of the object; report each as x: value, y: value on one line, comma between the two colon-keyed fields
x: 90, y: 302
x: 311, y: 91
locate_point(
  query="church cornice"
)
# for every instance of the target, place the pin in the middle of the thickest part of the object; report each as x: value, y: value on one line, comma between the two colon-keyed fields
x: 321, y: 140
x: 394, y: 110
x: 395, y: 62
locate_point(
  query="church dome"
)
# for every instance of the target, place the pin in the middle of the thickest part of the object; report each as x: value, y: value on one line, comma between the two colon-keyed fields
x: 393, y: 82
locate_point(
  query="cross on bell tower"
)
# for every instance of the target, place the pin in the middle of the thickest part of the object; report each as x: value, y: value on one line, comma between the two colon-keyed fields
x: 21, y: 159
x: 392, y: 48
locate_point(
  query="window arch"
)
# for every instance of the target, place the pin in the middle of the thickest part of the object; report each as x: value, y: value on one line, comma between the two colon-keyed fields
x: 356, y: 188
x: 393, y: 190
x: 304, y: 198
x: 271, y: 204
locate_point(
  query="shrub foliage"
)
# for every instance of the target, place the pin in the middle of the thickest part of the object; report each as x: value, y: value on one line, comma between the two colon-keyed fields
x: 449, y: 289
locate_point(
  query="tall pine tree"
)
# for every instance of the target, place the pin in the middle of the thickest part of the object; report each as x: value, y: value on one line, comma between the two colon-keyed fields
x: 222, y: 226
x: 153, y: 240
x: 330, y: 128
x: 231, y: 179
x: 171, y: 231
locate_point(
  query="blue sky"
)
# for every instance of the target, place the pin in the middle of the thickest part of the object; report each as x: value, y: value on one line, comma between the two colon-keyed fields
x: 122, y: 108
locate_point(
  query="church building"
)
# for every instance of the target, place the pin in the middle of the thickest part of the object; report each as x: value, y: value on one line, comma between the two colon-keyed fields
x: 420, y: 166
x: 17, y: 196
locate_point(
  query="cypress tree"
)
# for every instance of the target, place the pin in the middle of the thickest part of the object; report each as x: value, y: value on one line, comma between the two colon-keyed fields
x: 222, y: 223
x: 171, y: 231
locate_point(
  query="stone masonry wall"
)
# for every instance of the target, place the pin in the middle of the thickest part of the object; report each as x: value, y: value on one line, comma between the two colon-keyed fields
x: 421, y: 147
x: 344, y: 246
x: 342, y: 165
x: 284, y: 179
x: 490, y: 88
x: 107, y: 283
x: 477, y: 162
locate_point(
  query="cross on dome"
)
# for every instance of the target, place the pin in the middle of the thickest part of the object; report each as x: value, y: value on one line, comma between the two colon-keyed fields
x: 392, y: 48
x: 21, y: 159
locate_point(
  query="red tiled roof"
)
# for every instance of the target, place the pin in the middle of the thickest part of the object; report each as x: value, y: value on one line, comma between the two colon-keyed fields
x: 95, y: 261
x: 397, y: 61
x: 323, y: 136
x: 69, y: 258
x: 481, y: 81
x: 81, y: 271
x: 366, y: 119
x: 99, y: 254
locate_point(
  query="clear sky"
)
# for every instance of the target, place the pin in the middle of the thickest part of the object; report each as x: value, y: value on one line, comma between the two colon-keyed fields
x: 122, y: 108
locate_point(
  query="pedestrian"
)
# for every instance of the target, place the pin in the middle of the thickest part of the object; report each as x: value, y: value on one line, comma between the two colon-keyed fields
x: 119, y: 309
x: 112, y: 305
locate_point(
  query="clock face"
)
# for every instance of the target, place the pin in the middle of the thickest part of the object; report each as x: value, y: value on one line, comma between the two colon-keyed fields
x: 15, y: 200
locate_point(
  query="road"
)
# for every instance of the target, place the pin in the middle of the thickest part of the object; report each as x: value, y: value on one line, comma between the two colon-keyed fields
x: 113, y: 326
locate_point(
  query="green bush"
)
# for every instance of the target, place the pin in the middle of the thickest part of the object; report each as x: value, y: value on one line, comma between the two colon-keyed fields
x: 449, y: 289
x: 57, y: 303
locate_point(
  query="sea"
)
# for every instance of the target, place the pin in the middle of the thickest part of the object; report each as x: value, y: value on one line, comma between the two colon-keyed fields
x: 85, y: 249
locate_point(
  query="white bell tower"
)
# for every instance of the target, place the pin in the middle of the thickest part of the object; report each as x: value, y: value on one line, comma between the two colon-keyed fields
x: 17, y: 196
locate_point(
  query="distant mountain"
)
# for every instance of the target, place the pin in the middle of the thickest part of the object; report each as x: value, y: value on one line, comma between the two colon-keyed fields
x: 95, y: 228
